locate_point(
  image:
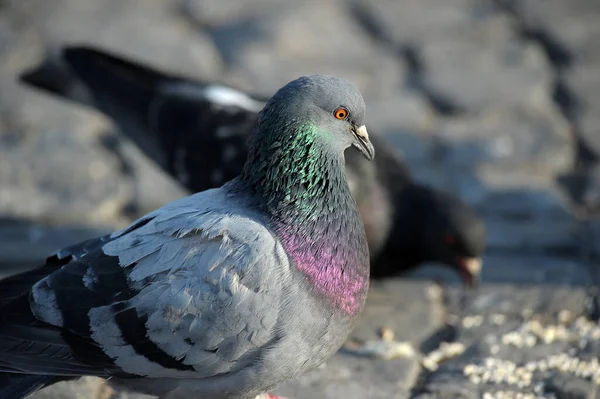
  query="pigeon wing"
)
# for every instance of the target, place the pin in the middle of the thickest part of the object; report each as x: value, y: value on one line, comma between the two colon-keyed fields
x: 185, y: 292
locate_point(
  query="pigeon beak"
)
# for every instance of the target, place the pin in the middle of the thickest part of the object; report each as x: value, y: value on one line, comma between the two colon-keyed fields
x: 363, y: 143
x: 470, y: 270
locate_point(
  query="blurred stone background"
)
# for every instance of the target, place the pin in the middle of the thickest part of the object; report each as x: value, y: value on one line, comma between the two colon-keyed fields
x: 495, y: 100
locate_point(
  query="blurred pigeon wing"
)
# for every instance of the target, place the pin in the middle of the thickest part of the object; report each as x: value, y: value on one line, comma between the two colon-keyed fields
x: 202, y: 132
x: 196, y: 132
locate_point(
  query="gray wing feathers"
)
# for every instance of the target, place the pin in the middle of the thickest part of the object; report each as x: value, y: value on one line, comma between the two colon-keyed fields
x: 209, y: 284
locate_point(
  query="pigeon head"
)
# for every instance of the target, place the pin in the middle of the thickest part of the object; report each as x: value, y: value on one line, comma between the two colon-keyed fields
x: 296, y: 151
x: 453, y: 234
x: 327, y: 108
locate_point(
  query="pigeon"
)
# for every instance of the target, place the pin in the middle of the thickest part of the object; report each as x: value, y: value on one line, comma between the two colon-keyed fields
x: 220, y: 295
x: 197, y: 132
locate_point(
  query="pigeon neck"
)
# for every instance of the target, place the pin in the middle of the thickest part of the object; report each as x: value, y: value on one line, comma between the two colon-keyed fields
x: 302, y: 186
x: 296, y: 175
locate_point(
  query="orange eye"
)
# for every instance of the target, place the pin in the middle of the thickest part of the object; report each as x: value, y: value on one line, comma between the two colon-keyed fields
x: 341, y: 113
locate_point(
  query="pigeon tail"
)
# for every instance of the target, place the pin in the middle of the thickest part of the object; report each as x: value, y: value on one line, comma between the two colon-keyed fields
x: 54, y: 76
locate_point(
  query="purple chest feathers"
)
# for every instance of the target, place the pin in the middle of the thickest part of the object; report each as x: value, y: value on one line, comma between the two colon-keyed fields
x: 339, y: 272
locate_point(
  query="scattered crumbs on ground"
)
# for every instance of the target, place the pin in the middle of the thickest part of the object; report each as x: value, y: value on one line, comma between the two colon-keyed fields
x: 105, y: 391
x: 446, y: 350
x: 385, y: 348
x: 513, y: 395
x: 497, y: 319
x: 565, y: 316
x: 567, y: 327
x: 387, y: 334
x: 473, y: 321
x: 469, y: 322
x: 498, y: 371
x: 531, y: 332
x: 435, y: 292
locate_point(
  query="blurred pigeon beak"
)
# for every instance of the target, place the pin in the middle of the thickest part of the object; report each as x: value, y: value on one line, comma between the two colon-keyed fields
x: 470, y: 270
x: 363, y: 144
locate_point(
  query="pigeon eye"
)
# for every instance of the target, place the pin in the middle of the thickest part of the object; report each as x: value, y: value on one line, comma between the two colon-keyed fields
x: 340, y: 113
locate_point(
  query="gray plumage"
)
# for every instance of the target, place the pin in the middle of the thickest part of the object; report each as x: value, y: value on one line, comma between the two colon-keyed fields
x: 200, y: 298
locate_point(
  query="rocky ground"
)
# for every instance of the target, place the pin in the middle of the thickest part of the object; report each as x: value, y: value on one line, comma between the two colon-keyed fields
x: 496, y: 100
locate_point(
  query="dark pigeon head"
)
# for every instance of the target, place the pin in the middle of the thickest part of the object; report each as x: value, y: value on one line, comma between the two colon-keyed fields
x: 453, y: 234
x: 433, y: 226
